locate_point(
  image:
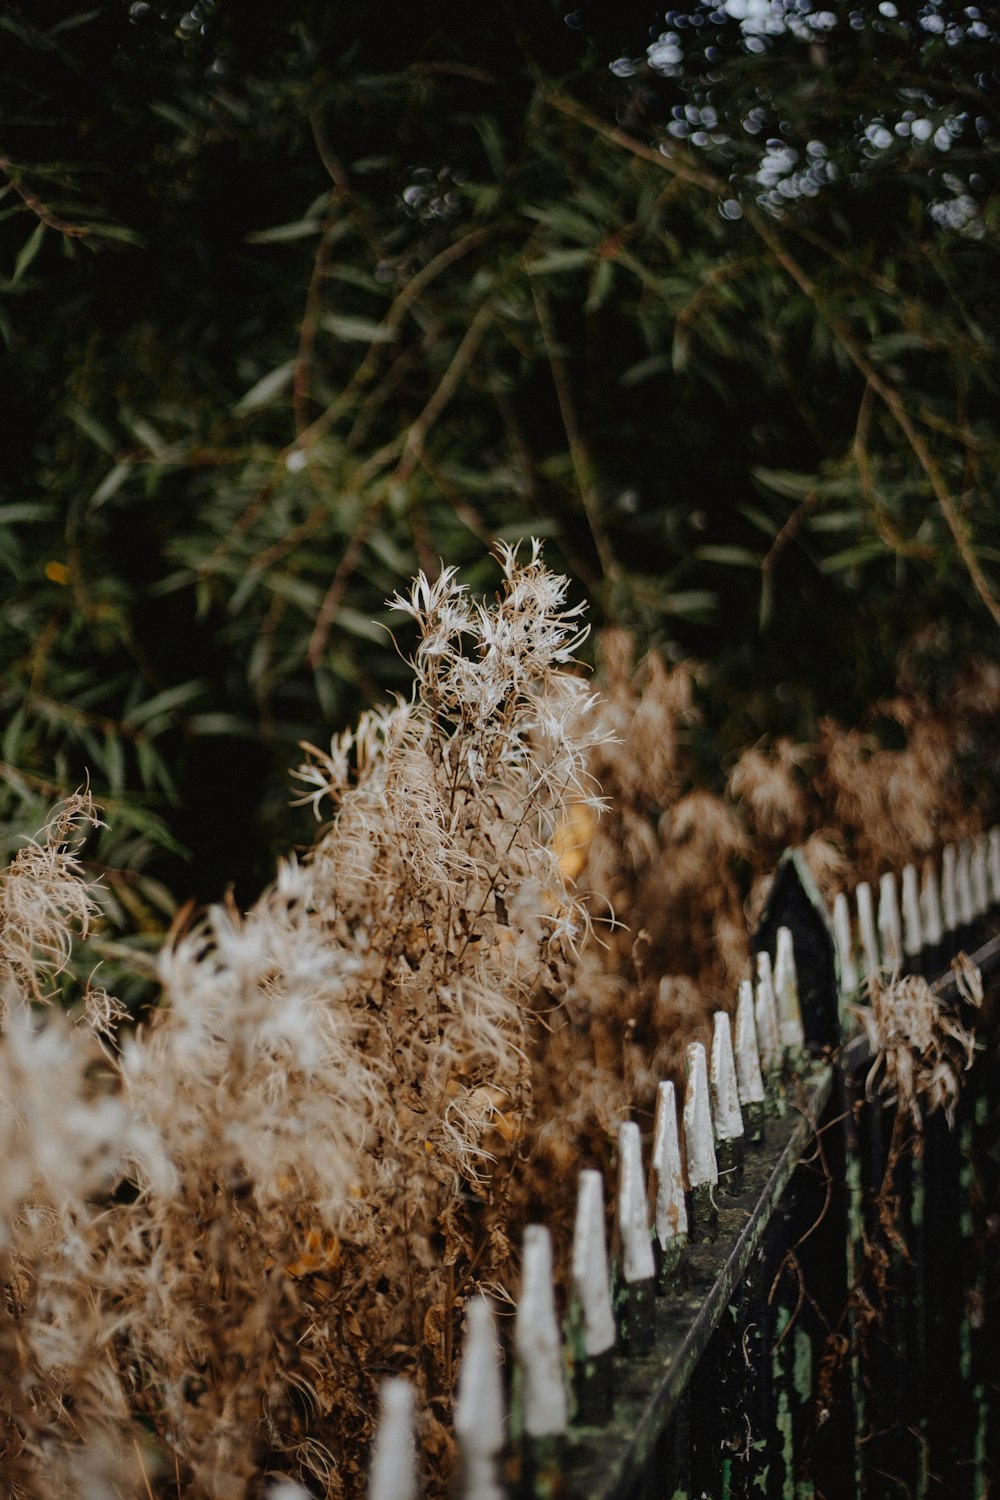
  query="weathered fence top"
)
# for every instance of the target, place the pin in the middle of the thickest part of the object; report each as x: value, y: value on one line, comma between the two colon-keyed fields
x: 590, y: 1403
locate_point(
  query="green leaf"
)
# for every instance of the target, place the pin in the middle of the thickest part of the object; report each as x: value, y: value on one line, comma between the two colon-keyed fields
x: 559, y: 260
x: 358, y: 330
x: 107, y: 231
x: 25, y: 510
x: 114, y: 761
x: 355, y: 623
x: 90, y: 426
x: 266, y: 389
x: 758, y: 518
x: 27, y: 252
x: 279, y: 234
x: 690, y: 602
x: 492, y: 144
x: 656, y: 364
x: 221, y: 723
x: 110, y: 485
x: 12, y: 734
x: 600, y: 285
x: 852, y: 557
x: 306, y: 595
x: 70, y: 23
x: 734, y: 557
x: 836, y: 520
x: 891, y: 344
x: 164, y: 703
x: 786, y: 482
x: 565, y: 222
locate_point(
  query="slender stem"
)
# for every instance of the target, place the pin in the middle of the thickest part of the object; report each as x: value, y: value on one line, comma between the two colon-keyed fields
x: 579, y: 455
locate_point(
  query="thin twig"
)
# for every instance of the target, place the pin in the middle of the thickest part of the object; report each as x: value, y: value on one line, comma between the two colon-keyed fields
x: 41, y: 210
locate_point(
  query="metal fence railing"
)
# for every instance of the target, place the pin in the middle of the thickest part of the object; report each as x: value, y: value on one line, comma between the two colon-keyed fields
x: 808, y: 1304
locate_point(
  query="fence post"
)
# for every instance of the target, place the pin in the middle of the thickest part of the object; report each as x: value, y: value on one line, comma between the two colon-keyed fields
x: 727, y: 1117
x: 768, y: 1041
x: 591, y: 1316
x: 539, y: 1408
x: 889, y: 926
x: 845, y: 948
x: 930, y: 913
x: 479, y: 1407
x: 749, y: 1079
x: 866, y: 927
x: 795, y: 902
x: 638, y: 1270
x: 913, y: 937
x: 670, y: 1211
x: 949, y: 890
x: 394, y: 1458
x: 703, y: 1170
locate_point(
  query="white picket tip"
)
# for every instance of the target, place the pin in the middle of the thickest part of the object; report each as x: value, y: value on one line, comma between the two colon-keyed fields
x: 889, y: 926
x: 949, y: 887
x: 749, y: 1080
x: 994, y: 865
x: 963, y: 884
x: 766, y: 1016
x: 591, y: 1279
x: 727, y: 1116
x: 786, y: 989
x: 394, y: 1456
x: 913, y: 936
x: 670, y: 1214
x: 480, y: 1414
x: 845, y: 943
x: 536, y: 1339
x: 867, y: 929
x: 702, y: 1165
x: 633, y: 1207
x: 930, y: 905
x: 980, y: 875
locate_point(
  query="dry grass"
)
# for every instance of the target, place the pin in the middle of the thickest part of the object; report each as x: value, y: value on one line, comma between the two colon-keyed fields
x: 218, y: 1232
x: 290, y: 1179
x: 919, y: 1043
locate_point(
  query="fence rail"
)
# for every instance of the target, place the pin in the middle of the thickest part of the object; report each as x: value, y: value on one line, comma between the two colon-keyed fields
x: 809, y: 1306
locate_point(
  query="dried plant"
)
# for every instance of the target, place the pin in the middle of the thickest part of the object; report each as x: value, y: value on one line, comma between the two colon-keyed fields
x: 668, y: 941
x: 770, y: 789
x: 45, y: 904
x: 920, y: 1045
x: 65, y: 1140
x: 289, y: 1178
x: 219, y: 1230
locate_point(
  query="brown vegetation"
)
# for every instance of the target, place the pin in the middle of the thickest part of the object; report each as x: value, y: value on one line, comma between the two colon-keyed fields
x: 218, y: 1231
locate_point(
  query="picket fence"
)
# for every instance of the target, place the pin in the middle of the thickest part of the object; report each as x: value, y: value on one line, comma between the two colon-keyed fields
x: 780, y: 1318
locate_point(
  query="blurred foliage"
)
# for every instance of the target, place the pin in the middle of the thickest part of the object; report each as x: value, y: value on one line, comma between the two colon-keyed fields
x: 302, y: 299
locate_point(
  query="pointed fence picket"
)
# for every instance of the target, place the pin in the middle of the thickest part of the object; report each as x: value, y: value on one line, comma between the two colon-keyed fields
x: 722, y: 1352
